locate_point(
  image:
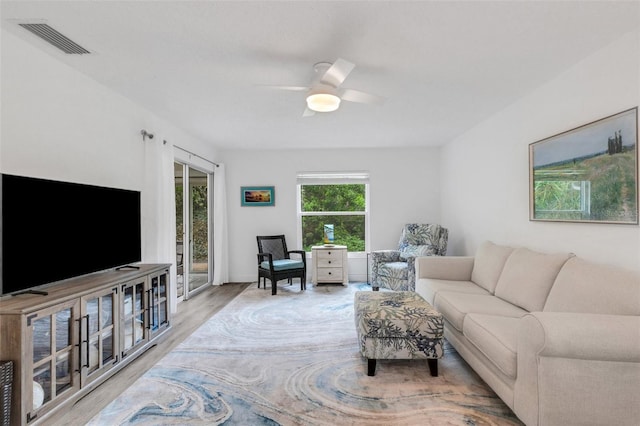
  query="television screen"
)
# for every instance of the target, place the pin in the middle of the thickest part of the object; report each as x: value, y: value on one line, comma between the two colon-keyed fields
x: 54, y: 230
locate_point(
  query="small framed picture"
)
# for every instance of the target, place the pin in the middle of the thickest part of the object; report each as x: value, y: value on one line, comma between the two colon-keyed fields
x: 328, y: 234
x: 257, y: 196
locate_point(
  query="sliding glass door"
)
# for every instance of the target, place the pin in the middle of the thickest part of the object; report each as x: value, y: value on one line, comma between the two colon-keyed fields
x: 193, y: 218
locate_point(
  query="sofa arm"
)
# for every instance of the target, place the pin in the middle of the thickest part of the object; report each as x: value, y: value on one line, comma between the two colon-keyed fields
x: 457, y: 268
x: 586, y: 336
x: 576, y: 368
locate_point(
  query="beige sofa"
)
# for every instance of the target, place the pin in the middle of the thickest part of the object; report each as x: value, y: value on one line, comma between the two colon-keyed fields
x: 555, y: 336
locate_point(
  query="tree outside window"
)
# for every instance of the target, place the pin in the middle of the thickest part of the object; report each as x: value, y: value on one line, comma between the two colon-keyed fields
x: 343, y: 205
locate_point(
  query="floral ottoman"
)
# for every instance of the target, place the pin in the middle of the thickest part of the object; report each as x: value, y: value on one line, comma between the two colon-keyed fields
x: 398, y: 325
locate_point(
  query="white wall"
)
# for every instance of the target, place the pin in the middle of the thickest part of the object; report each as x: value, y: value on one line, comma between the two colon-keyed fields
x: 404, y: 187
x: 485, y: 175
x: 59, y: 124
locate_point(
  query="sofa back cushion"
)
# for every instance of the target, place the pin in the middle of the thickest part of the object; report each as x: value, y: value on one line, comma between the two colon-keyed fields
x: 488, y: 264
x: 588, y: 287
x: 527, y: 278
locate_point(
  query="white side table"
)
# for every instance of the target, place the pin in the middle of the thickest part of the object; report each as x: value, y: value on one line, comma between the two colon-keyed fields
x: 330, y: 264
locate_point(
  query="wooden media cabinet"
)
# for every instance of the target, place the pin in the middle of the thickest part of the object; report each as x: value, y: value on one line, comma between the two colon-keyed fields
x: 65, y: 343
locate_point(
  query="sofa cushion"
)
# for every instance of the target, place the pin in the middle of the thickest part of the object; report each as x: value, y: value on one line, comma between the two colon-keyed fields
x: 455, y: 306
x: 528, y: 276
x: 588, y: 287
x: 455, y: 268
x: 489, y: 262
x: 429, y: 287
x: 496, y: 337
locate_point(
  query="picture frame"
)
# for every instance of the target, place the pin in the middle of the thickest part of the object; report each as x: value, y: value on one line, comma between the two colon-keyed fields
x: 587, y: 174
x: 257, y: 196
x: 328, y: 234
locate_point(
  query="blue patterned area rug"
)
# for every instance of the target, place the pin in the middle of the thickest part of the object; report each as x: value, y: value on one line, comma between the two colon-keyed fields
x: 293, y: 359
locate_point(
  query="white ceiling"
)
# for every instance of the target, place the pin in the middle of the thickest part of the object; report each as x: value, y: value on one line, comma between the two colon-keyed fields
x: 443, y: 66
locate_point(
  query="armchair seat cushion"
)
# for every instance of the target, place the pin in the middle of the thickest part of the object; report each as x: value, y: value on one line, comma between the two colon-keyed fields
x: 397, y: 270
x: 283, y: 264
x: 418, y: 250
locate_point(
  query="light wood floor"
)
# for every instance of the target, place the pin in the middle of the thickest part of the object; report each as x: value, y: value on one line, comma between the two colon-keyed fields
x: 191, y: 314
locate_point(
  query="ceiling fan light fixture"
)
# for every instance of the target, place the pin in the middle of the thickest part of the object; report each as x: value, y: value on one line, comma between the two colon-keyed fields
x: 323, y: 102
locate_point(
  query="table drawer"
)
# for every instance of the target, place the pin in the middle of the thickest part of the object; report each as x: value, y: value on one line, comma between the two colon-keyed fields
x: 329, y: 274
x: 330, y: 263
x: 329, y: 254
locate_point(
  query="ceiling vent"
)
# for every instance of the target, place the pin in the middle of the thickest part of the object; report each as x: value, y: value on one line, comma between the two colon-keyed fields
x: 53, y: 37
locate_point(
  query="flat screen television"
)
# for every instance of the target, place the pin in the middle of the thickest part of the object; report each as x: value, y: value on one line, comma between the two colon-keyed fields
x: 52, y: 230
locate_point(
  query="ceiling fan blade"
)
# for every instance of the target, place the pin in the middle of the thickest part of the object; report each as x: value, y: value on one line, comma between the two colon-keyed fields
x: 352, y: 95
x: 293, y: 88
x: 337, y: 73
x: 308, y: 113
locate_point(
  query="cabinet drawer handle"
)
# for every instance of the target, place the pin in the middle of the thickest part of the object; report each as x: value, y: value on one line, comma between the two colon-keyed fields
x: 79, y: 345
x: 149, y: 309
x: 329, y: 262
x: 86, y: 317
x: 329, y: 273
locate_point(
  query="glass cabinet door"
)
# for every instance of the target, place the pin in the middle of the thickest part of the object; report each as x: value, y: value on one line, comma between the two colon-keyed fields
x: 98, y: 349
x: 134, y: 308
x: 159, y: 298
x: 55, y: 361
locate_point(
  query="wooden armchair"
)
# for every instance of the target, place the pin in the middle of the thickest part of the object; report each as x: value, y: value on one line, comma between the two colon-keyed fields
x: 275, y: 263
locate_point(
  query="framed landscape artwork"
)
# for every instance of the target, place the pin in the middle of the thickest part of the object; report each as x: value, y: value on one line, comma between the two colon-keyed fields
x: 257, y: 196
x: 588, y: 174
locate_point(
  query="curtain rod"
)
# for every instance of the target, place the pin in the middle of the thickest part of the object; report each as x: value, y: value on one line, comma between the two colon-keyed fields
x: 194, y: 154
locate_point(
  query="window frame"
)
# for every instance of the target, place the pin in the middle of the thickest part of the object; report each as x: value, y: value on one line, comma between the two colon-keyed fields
x: 334, y: 178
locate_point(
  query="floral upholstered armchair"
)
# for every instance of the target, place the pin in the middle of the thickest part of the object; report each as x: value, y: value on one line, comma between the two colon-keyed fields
x: 395, y: 269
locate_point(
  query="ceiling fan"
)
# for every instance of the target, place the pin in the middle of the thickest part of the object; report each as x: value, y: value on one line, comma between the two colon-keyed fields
x: 325, y: 92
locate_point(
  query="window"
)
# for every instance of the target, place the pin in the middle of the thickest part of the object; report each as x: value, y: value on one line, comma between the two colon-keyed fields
x: 340, y: 199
